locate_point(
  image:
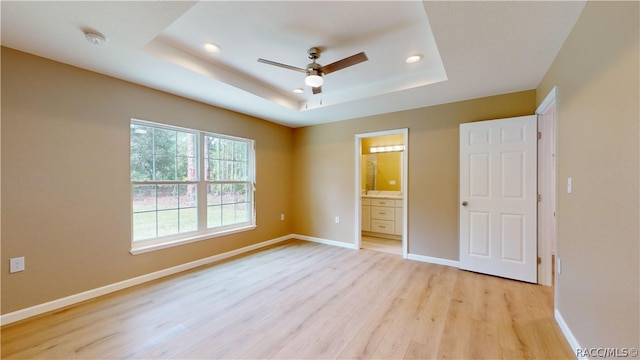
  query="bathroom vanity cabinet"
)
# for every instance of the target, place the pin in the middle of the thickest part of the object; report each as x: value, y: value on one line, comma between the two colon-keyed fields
x: 382, y: 216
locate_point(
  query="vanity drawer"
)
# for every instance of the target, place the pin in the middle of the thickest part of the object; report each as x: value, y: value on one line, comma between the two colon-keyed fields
x: 382, y: 213
x: 383, y: 226
x: 382, y: 202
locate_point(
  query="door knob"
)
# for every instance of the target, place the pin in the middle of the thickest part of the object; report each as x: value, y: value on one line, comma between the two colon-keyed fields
x: 464, y: 203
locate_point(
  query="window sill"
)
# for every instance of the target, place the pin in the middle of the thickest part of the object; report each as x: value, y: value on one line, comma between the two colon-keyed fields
x: 135, y: 250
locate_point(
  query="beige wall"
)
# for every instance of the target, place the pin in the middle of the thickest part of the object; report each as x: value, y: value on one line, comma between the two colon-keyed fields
x: 65, y: 178
x: 65, y: 184
x: 597, y: 74
x: 324, y: 166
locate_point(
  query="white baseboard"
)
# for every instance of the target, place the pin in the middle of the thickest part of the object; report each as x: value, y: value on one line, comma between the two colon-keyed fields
x: 90, y: 294
x: 324, y: 241
x: 434, y: 260
x: 568, y: 334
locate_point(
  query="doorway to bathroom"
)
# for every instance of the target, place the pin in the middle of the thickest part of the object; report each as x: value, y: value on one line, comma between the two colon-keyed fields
x: 381, y: 175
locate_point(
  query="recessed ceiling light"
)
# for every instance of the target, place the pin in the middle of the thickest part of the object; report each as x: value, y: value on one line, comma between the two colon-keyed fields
x: 95, y: 38
x: 211, y: 47
x: 298, y: 90
x: 413, y: 59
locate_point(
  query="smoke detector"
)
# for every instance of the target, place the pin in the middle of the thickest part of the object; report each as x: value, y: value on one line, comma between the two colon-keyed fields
x: 95, y: 38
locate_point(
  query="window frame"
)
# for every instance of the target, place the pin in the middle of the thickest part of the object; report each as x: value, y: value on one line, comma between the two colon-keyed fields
x: 202, y: 232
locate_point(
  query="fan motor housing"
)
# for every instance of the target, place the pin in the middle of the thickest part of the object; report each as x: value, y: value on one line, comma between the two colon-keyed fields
x: 314, y: 69
x: 314, y: 53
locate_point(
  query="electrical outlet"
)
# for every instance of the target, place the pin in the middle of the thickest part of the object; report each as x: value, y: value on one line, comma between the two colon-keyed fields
x: 281, y: 216
x: 337, y: 219
x: 16, y: 264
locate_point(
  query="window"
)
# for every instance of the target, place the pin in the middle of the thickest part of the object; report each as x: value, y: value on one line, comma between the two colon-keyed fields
x: 171, y: 201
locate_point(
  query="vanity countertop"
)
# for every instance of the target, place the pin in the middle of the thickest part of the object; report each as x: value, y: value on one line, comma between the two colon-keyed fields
x: 376, y: 194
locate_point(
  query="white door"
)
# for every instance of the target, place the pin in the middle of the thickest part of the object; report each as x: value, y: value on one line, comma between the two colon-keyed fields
x: 498, y: 198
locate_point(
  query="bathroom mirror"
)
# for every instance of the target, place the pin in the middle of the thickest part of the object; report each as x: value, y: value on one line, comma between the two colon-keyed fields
x: 382, y: 171
x: 382, y: 162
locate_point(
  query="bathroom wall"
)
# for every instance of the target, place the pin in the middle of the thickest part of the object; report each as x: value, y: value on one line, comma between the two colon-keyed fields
x: 389, y: 165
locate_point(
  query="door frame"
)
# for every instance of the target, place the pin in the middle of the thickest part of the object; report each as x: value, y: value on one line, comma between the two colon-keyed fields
x: 547, y: 180
x: 405, y: 188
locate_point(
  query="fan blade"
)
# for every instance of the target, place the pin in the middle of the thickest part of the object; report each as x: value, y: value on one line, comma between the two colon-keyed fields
x: 269, y: 62
x: 316, y: 90
x: 346, y: 62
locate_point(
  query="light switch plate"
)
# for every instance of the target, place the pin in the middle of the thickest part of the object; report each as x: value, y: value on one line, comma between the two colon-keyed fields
x: 16, y: 264
x: 559, y: 266
x: 569, y: 185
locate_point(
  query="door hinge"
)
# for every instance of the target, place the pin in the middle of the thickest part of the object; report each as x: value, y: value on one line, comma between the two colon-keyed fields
x: 539, y: 135
x: 539, y: 197
x: 539, y: 260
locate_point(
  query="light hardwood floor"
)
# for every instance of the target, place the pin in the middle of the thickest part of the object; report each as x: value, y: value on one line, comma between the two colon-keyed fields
x: 305, y: 301
x: 382, y: 244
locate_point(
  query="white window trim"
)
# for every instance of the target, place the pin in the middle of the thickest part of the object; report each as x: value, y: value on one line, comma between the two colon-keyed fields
x: 168, y: 244
x: 158, y: 243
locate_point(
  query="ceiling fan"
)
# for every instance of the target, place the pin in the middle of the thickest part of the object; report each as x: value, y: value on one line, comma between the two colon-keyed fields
x: 315, y: 71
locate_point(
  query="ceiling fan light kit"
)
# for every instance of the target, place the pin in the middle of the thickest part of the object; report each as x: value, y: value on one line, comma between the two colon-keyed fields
x: 313, y: 80
x: 315, y: 71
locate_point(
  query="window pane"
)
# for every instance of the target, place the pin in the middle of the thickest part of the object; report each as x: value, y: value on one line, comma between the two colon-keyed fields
x: 214, y: 216
x: 186, y: 144
x: 144, y: 198
x: 226, y: 159
x: 141, y: 152
x: 227, y: 194
x: 165, y: 168
x: 213, y: 170
x: 243, y: 212
x: 226, y: 149
x: 186, y: 156
x: 227, y: 173
x: 165, y: 142
x: 163, y: 154
x: 240, y: 171
x: 235, y: 213
x: 167, y: 222
x: 188, y: 196
x: 167, y: 197
x: 188, y: 220
x: 240, y: 193
x: 228, y: 214
x: 211, y: 147
x: 240, y: 151
x: 144, y: 225
x: 214, y: 196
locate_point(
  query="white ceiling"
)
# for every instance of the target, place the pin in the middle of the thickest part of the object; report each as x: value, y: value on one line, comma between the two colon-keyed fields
x: 470, y: 49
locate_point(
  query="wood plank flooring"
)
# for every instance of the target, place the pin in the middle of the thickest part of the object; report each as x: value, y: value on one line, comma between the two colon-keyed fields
x: 301, y: 300
x: 382, y: 244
